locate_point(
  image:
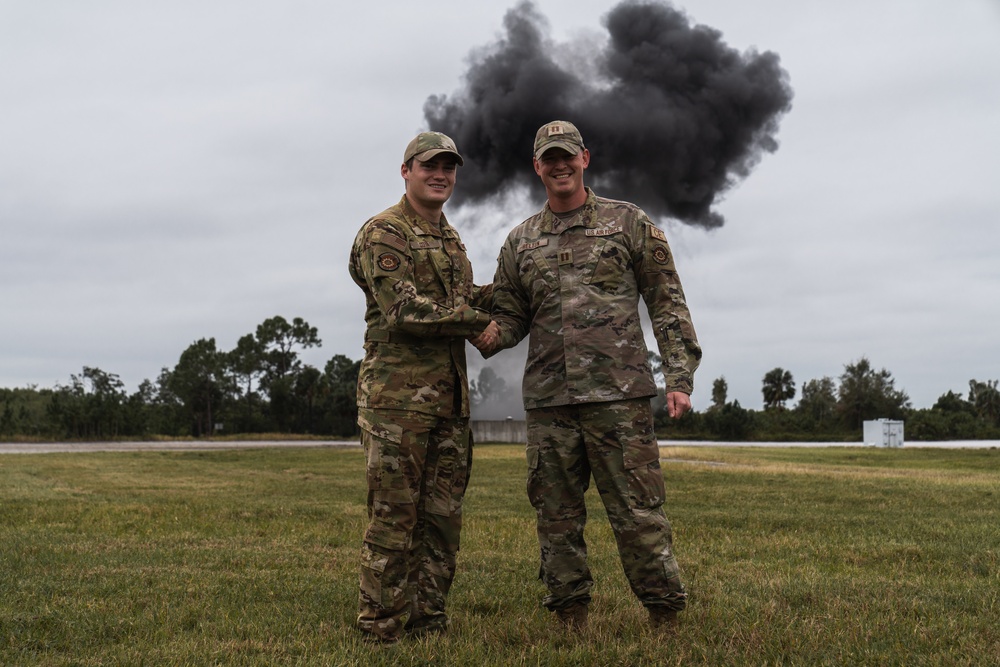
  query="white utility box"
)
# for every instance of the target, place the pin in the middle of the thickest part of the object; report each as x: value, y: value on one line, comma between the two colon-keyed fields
x: 883, y: 433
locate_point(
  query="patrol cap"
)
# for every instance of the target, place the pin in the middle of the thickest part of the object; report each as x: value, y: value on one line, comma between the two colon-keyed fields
x: 558, y: 134
x: 426, y: 145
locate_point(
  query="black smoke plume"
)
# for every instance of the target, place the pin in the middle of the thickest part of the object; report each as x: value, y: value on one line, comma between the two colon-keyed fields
x: 673, y: 116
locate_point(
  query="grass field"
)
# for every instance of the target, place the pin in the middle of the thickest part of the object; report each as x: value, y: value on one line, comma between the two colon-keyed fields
x: 792, y: 556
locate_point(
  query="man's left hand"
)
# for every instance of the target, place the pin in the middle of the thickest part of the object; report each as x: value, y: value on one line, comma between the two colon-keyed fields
x: 677, y: 404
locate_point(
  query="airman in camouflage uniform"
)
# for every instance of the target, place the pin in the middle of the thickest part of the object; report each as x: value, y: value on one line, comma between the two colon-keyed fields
x: 570, y: 278
x: 413, y: 402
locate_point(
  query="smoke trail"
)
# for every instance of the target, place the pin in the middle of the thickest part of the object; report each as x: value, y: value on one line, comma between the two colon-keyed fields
x: 673, y: 116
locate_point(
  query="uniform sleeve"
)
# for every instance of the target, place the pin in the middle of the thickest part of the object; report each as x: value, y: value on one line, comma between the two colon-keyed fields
x: 482, y: 297
x: 511, y: 309
x: 661, y: 290
x: 386, y: 266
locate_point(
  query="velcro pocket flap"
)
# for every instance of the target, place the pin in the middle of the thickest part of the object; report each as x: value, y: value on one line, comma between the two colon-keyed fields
x: 642, y: 455
x: 384, y: 429
x: 385, y: 537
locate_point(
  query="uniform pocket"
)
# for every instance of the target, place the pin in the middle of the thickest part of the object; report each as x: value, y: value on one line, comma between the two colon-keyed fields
x: 373, y: 584
x: 381, y: 428
x: 381, y: 440
x: 536, y: 486
x: 387, y: 538
x: 644, y: 475
x: 535, y: 272
x: 450, y: 475
x: 531, y: 453
x: 442, y: 485
x: 610, y: 261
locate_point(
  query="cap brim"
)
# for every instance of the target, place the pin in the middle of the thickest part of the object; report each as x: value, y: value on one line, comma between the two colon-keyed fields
x: 427, y: 155
x: 572, y: 149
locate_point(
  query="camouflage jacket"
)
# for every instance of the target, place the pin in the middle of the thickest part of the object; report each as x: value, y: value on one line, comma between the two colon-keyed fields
x: 420, y: 306
x: 575, y: 284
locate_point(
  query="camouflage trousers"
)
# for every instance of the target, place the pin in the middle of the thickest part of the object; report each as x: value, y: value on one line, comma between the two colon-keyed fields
x: 615, y: 443
x: 418, y: 467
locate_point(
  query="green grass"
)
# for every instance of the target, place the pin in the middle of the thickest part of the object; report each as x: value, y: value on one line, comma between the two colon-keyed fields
x: 792, y: 556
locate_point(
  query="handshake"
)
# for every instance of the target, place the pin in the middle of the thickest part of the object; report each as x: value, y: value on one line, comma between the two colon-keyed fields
x: 487, y: 340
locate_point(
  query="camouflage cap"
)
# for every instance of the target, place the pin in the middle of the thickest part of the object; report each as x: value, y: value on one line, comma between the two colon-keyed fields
x: 426, y: 145
x: 558, y: 134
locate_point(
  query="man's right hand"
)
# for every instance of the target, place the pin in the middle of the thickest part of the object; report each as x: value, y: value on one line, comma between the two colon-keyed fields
x: 488, y: 339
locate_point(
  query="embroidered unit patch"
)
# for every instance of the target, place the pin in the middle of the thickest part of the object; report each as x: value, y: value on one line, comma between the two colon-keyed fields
x: 388, y: 261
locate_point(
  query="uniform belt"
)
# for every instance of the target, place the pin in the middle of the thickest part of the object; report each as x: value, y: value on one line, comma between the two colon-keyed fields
x: 398, y: 337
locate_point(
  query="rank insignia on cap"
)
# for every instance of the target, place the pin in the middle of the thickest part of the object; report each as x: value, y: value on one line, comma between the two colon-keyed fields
x: 555, y: 129
x: 661, y: 255
x: 388, y: 261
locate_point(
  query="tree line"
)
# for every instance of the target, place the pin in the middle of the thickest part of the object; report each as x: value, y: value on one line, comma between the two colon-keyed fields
x: 829, y: 410
x: 261, y: 386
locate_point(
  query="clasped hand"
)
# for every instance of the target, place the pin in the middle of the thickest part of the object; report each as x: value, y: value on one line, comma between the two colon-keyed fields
x: 488, y: 339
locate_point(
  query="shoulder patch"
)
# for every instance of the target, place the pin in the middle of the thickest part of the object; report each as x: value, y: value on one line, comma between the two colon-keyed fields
x: 657, y: 233
x: 661, y: 255
x: 388, y: 261
x: 531, y: 245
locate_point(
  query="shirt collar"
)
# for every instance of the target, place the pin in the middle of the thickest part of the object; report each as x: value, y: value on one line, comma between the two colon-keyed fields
x: 422, y: 227
x: 551, y: 224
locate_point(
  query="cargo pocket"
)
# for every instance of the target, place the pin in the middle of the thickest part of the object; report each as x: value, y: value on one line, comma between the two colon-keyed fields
x: 645, y: 478
x: 450, y: 476
x: 382, y: 441
x: 373, y: 471
x: 535, y: 486
x: 385, y: 537
x: 444, y: 475
x: 383, y: 573
x: 373, y: 566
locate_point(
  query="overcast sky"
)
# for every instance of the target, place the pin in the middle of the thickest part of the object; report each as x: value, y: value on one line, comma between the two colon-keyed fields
x: 178, y: 170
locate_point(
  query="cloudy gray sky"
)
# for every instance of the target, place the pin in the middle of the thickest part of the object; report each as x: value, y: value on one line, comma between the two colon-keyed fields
x: 177, y: 170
